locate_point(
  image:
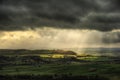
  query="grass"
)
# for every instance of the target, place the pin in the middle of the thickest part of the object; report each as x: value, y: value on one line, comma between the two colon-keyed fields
x: 75, y: 69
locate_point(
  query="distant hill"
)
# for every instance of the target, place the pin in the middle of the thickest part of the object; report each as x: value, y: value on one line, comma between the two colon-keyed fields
x: 25, y: 51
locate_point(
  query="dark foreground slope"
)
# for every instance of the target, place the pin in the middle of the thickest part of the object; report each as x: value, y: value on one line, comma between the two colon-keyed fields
x: 50, y: 77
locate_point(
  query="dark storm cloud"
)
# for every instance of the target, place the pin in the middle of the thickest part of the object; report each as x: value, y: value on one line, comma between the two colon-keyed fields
x: 101, y: 21
x: 116, y: 5
x: 111, y: 37
x: 23, y: 14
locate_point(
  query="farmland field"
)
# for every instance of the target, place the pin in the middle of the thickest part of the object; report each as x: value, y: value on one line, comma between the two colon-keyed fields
x: 52, y: 63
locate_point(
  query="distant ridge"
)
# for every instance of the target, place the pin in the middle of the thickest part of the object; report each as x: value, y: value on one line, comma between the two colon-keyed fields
x: 26, y: 51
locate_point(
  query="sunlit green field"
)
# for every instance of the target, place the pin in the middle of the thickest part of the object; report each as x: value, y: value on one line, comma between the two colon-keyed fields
x: 87, y: 58
x: 56, y: 55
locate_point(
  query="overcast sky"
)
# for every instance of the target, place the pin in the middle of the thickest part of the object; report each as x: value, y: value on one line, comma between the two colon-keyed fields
x: 52, y: 20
